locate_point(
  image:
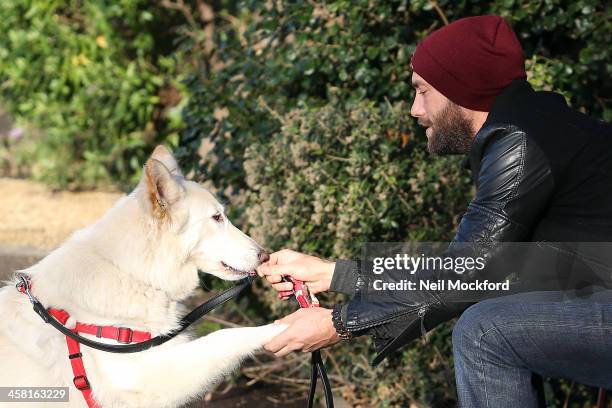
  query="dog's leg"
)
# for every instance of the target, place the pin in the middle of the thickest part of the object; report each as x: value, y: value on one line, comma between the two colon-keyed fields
x: 172, y: 374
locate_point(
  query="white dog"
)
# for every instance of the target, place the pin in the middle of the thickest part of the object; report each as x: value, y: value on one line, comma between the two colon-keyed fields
x: 131, y: 269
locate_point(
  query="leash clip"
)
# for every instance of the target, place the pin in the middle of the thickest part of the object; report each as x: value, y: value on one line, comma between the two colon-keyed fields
x: 23, y: 286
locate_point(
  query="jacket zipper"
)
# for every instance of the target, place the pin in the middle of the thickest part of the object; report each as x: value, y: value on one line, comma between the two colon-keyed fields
x: 421, y: 313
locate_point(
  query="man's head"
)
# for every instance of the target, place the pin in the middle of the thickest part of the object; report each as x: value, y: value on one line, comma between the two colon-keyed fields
x: 449, y: 127
x: 458, y: 71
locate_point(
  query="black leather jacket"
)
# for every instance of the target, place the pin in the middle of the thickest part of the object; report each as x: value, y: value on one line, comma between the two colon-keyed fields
x: 543, y: 172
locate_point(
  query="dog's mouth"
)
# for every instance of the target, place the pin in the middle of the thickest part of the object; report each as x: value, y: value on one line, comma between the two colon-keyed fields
x: 231, y: 269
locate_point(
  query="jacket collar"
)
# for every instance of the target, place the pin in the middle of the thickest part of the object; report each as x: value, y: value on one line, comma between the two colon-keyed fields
x: 501, y: 114
x: 513, y: 96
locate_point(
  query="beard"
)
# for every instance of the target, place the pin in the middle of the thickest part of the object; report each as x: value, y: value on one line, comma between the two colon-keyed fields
x: 451, y: 131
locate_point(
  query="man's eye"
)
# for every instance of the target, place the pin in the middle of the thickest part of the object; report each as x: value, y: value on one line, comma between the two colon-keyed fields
x: 217, y: 217
x: 422, y: 92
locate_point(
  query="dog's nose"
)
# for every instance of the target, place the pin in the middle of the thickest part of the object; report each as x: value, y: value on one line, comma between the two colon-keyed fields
x: 263, y: 256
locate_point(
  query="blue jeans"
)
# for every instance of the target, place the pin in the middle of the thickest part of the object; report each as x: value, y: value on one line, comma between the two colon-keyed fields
x: 499, y: 344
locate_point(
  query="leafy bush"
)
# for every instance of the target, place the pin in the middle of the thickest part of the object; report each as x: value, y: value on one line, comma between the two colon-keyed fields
x: 95, y: 83
x: 335, y: 176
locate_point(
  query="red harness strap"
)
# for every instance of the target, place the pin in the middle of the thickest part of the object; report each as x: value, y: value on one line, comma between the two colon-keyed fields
x: 120, y: 334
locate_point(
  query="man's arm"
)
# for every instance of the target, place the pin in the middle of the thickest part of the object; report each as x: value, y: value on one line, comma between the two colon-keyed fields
x: 514, y: 184
x: 345, y: 277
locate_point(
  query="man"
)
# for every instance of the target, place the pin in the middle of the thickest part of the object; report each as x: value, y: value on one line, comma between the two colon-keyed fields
x: 543, y: 173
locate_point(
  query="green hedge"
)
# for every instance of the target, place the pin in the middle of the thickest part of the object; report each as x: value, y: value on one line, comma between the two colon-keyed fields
x: 93, y: 84
x: 334, y: 177
x: 296, y: 116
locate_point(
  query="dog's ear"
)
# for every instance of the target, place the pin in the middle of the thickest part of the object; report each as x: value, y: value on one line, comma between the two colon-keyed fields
x: 162, y: 188
x: 162, y: 154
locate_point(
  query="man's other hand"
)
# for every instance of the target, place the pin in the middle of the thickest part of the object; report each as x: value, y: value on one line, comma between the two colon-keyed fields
x: 309, y: 329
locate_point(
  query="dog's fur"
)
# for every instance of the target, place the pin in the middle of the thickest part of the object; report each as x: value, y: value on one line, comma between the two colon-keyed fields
x: 132, y: 268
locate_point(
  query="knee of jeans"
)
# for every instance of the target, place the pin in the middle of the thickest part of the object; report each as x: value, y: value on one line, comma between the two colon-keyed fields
x: 473, y: 324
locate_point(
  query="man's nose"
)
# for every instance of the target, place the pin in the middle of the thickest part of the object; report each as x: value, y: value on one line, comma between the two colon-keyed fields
x: 416, y: 110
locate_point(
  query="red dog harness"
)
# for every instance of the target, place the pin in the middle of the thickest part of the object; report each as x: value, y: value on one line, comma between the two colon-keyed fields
x: 123, y: 335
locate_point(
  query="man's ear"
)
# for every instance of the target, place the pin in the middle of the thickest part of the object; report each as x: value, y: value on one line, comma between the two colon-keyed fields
x: 162, y: 154
x: 162, y: 188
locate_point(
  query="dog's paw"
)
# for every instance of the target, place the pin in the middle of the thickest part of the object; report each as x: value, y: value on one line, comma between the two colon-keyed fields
x: 278, y: 327
x: 269, y: 331
x: 245, y: 339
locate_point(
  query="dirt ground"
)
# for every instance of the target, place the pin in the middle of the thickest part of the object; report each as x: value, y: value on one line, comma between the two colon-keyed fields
x: 33, y: 215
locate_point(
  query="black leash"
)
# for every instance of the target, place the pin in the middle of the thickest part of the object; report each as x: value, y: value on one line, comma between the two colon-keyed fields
x: 185, y: 322
x: 317, y: 369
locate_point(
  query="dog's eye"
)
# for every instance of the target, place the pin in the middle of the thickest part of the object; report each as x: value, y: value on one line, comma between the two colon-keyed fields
x: 217, y: 217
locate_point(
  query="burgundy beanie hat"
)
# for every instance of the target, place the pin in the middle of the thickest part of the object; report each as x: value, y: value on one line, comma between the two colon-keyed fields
x: 471, y: 60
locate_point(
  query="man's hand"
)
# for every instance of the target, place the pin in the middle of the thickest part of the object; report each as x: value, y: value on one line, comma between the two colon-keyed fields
x: 314, y: 272
x: 309, y: 329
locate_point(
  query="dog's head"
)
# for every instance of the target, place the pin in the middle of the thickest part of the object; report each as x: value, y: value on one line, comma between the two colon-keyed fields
x: 190, y: 219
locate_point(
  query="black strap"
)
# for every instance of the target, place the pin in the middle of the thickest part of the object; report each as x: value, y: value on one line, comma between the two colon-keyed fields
x: 185, y: 322
x: 317, y: 369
